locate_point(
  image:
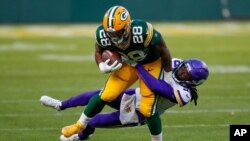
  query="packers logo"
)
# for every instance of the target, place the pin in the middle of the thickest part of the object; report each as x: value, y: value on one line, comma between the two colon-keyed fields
x: 124, y: 15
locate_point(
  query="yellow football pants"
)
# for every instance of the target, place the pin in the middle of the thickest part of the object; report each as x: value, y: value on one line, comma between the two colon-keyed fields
x: 126, y: 76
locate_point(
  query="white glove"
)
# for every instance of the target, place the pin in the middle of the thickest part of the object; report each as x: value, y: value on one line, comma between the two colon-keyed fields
x: 106, y: 68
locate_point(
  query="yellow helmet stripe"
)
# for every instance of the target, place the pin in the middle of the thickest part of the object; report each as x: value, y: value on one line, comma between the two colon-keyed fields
x: 111, y: 16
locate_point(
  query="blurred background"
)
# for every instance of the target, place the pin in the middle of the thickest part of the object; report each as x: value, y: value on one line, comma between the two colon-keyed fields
x: 47, y: 48
x: 75, y: 11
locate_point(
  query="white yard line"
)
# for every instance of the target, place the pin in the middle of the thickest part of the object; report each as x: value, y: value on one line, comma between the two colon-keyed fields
x: 26, y: 46
x: 232, y: 111
x: 63, y: 114
x: 12, y: 101
x: 229, y: 69
x: 67, y: 58
x: 216, y: 69
x: 164, y: 126
x: 29, y: 129
x: 88, y: 30
x: 196, y: 125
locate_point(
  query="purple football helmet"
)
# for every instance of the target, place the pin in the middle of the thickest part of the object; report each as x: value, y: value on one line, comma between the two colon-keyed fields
x: 197, y: 69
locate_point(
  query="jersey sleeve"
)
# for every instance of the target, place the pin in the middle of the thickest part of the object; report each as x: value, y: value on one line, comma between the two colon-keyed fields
x: 153, y: 37
x: 97, y: 35
x: 149, y: 34
x: 140, y: 27
x: 156, y: 38
x: 101, y: 37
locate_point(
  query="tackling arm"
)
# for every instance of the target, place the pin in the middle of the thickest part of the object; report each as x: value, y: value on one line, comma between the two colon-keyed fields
x: 159, y: 86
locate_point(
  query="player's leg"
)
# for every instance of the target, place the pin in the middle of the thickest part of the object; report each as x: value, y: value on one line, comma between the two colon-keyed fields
x: 110, y: 120
x: 79, y: 100
x: 118, y: 81
x: 84, y: 135
x: 155, y: 127
x: 100, y: 120
x: 51, y: 102
x: 149, y: 100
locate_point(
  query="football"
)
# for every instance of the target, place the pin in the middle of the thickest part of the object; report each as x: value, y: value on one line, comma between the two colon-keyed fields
x: 112, y: 55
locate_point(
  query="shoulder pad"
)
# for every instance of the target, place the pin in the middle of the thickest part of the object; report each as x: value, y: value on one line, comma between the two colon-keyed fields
x: 156, y: 37
x: 101, y: 37
x: 97, y: 32
x: 146, y: 28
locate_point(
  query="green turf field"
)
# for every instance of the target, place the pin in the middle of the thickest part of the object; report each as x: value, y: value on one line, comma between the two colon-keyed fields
x: 58, y: 61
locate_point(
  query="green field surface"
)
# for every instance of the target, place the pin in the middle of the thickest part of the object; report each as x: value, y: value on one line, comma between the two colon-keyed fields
x: 58, y: 60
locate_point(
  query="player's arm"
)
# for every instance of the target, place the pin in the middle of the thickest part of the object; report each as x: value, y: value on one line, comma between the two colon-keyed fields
x: 99, y: 36
x: 160, y: 47
x: 156, y: 41
x: 161, y: 87
x: 179, y: 95
x: 98, y: 54
x: 166, y: 59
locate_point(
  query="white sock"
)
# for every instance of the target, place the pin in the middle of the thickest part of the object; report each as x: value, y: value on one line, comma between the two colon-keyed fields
x: 156, y: 137
x: 84, y: 120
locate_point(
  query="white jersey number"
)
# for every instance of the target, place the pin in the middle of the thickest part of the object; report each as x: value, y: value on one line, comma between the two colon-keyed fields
x: 104, y: 40
x: 137, y: 34
x: 137, y: 55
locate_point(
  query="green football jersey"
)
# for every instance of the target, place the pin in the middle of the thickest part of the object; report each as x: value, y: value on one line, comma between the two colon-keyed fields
x: 143, y: 40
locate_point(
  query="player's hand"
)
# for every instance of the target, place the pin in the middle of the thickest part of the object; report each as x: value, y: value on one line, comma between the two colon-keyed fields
x: 106, y: 68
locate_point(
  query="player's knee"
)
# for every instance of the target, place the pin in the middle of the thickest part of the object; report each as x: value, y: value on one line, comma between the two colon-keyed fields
x: 109, y: 96
x: 145, y: 112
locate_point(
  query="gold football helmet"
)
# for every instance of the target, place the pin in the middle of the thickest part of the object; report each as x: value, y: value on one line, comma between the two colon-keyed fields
x: 116, y: 23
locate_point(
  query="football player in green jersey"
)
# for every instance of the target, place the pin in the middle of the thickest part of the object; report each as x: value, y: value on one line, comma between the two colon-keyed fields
x: 137, y: 41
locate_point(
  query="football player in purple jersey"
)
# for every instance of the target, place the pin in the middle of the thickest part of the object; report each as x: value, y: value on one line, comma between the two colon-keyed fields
x: 181, y: 89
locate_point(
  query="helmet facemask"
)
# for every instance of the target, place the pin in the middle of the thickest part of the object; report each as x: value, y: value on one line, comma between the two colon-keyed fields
x: 176, y: 76
x: 121, y: 37
x: 197, y: 72
x: 116, y: 23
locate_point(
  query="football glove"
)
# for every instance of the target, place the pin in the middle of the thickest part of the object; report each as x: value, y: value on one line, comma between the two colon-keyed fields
x: 106, y: 68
